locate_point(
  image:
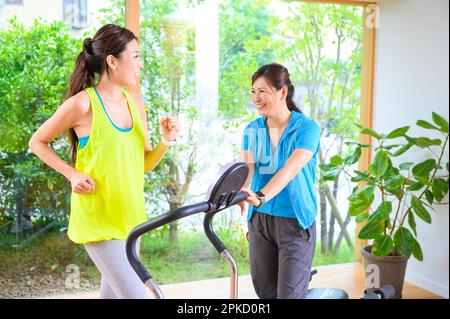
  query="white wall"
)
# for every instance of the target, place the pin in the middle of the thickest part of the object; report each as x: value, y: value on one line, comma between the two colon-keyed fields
x: 50, y: 10
x: 411, y: 81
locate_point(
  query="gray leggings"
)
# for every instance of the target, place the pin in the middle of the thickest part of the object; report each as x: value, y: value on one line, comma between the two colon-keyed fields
x: 119, y: 280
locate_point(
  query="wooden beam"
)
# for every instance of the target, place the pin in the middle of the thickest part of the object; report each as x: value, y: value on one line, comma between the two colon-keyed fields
x: 366, y: 107
x: 132, y: 23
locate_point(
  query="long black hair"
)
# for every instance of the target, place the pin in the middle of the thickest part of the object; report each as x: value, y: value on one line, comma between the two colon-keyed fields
x: 110, y: 39
x: 278, y: 76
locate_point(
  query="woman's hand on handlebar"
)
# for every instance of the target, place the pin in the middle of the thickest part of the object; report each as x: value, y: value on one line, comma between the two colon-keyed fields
x: 81, y: 183
x: 252, y: 199
x: 242, y: 206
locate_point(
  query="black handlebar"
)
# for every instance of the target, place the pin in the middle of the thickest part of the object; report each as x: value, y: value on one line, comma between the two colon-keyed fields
x: 178, y: 213
x: 207, y: 222
x: 224, y: 202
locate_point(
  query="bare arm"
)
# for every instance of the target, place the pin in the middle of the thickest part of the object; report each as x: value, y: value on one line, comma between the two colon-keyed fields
x: 152, y: 155
x: 65, y: 117
x: 141, y: 107
x: 247, y: 157
x: 294, y: 164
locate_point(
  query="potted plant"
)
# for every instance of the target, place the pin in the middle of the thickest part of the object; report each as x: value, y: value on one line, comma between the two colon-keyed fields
x: 403, y: 191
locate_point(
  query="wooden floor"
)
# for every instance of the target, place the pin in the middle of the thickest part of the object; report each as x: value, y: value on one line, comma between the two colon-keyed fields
x: 349, y: 277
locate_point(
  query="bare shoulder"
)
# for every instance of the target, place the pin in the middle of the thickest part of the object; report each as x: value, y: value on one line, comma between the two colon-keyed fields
x: 79, y: 102
x: 83, y: 101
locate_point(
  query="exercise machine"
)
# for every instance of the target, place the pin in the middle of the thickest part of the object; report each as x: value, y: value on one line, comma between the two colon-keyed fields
x: 223, y: 193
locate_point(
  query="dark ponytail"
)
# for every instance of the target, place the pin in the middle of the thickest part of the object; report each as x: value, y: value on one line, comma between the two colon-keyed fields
x: 110, y: 39
x: 83, y: 76
x: 278, y: 76
x: 289, y: 99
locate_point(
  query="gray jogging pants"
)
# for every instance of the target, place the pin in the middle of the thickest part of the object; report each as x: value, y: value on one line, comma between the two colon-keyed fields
x: 119, y: 280
x: 281, y: 254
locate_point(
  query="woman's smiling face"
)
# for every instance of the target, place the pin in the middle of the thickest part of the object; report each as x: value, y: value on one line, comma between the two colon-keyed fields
x: 265, y: 97
x: 129, y: 65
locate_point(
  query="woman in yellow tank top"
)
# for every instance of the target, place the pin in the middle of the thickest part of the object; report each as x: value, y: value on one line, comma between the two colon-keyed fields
x: 111, y: 150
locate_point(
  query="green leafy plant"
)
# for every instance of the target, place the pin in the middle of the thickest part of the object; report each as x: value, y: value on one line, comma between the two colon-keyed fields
x: 407, y: 191
x: 35, y: 64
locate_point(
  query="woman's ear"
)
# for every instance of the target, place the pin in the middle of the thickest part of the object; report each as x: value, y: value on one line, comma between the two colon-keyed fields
x: 284, y: 91
x: 111, y: 61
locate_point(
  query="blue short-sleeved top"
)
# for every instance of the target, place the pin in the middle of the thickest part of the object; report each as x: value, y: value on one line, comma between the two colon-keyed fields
x: 298, y: 198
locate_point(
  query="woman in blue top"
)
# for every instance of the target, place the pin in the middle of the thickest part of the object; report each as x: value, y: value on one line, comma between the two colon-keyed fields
x: 280, y: 148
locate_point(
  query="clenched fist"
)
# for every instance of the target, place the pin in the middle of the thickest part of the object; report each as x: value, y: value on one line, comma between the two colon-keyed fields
x: 81, y: 183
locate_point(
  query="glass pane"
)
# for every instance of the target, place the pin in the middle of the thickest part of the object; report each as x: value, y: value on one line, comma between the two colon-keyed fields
x: 199, y: 57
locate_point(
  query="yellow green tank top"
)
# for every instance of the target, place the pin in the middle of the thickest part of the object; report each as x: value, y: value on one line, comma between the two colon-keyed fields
x: 115, y: 161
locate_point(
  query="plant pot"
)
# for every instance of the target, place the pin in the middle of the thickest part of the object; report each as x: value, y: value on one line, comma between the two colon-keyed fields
x: 384, y: 270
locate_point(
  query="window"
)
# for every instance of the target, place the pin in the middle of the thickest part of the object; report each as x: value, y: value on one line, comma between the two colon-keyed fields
x: 75, y: 13
x: 16, y: 2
